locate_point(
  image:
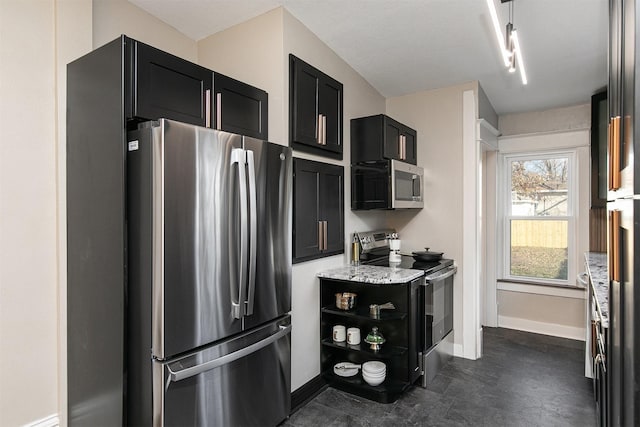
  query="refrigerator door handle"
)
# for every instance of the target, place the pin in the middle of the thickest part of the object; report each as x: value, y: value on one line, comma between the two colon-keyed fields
x: 227, y: 358
x: 253, y: 232
x: 238, y: 157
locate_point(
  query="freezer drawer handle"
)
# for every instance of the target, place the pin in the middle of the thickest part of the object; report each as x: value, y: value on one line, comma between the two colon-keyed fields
x: 227, y: 358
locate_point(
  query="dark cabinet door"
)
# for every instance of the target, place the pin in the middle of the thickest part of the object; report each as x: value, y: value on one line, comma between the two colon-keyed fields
x: 380, y: 137
x: 304, y: 108
x: 315, y: 108
x: 332, y: 207
x: 318, y: 210
x: 330, y: 110
x: 240, y: 108
x: 165, y: 86
x: 410, y: 148
x: 306, y: 209
x: 392, y: 133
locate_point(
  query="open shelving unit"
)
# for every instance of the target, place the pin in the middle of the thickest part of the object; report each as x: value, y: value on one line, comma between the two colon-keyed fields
x: 399, y: 327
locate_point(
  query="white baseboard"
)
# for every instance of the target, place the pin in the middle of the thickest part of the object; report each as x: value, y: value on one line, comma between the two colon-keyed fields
x: 50, y: 421
x: 562, y: 331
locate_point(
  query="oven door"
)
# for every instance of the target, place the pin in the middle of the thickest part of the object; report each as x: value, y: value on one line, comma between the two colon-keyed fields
x: 438, y: 307
x: 407, y: 185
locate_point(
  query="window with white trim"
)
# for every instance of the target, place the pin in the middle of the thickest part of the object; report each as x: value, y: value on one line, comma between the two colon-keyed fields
x: 539, y: 193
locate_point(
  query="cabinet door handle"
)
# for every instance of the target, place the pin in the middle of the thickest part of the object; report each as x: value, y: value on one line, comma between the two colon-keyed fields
x: 219, y: 111
x: 614, y: 250
x: 615, y: 153
x: 326, y: 245
x: 594, y: 338
x: 404, y: 147
x: 319, y: 129
x: 610, y: 154
x: 207, y: 108
x: 320, y: 235
x: 324, y: 129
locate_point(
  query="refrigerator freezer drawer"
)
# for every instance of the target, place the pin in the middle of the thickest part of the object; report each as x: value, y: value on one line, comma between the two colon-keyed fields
x: 244, y: 381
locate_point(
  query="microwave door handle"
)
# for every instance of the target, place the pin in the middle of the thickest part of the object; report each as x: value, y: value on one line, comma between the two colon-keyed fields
x: 253, y: 232
x: 238, y: 157
x: 416, y: 185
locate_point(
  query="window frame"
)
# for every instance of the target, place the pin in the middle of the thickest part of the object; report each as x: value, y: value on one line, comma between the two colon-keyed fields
x: 505, y: 186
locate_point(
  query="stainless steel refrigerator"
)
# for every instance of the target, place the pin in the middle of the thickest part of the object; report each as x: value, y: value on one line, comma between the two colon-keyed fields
x: 209, y: 291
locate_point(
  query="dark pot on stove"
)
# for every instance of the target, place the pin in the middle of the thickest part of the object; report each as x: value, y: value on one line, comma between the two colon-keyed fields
x: 427, y: 255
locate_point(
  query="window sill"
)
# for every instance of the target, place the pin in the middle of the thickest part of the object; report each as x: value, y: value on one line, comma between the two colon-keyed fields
x: 566, y: 291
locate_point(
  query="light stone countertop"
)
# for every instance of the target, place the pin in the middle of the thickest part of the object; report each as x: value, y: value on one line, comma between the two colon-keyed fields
x: 599, y: 273
x: 372, y: 274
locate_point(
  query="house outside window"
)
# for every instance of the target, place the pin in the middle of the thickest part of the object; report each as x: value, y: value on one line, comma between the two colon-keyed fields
x: 539, y: 227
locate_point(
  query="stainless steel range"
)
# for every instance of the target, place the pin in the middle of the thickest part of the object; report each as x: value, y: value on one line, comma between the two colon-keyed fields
x: 436, y: 297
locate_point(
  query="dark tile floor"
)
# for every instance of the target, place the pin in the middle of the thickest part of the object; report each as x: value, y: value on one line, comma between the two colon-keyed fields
x: 523, y: 379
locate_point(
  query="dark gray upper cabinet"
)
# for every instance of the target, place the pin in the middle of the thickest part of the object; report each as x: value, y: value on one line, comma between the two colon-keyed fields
x: 240, y: 108
x: 163, y: 85
x: 315, y: 110
x: 380, y: 137
x: 318, y: 210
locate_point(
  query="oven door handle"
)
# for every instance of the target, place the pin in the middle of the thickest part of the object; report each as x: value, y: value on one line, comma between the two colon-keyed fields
x: 448, y: 273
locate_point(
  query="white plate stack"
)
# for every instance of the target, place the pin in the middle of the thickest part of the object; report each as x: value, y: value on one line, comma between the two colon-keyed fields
x: 374, y: 372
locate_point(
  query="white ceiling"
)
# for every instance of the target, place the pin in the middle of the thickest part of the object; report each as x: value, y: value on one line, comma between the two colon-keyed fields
x: 406, y: 46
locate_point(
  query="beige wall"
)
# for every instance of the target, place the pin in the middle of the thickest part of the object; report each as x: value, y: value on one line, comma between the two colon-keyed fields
x: 28, y: 264
x: 37, y: 40
x: 557, y: 119
x: 257, y: 52
x: 563, y: 312
x: 111, y: 18
x: 548, y: 130
x: 360, y: 99
x: 437, y: 117
x: 251, y: 52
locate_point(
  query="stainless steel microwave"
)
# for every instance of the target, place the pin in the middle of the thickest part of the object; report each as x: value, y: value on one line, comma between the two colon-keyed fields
x: 386, y: 184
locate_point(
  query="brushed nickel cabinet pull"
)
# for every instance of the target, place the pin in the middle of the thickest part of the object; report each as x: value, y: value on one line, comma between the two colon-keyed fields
x: 219, y: 111
x: 320, y: 235
x: 326, y: 246
x: 614, y: 250
x: 207, y: 108
x: 610, y: 155
x: 324, y: 129
x: 404, y: 147
x: 615, y: 145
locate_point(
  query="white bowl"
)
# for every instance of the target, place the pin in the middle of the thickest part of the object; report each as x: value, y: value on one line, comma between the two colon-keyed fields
x: 374, y: 367
x: 375, y: 373
x: 381, y: 374
x: 373, y: 381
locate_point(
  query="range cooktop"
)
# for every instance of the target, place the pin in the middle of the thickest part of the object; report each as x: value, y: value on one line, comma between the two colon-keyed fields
x: 407, y: 261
